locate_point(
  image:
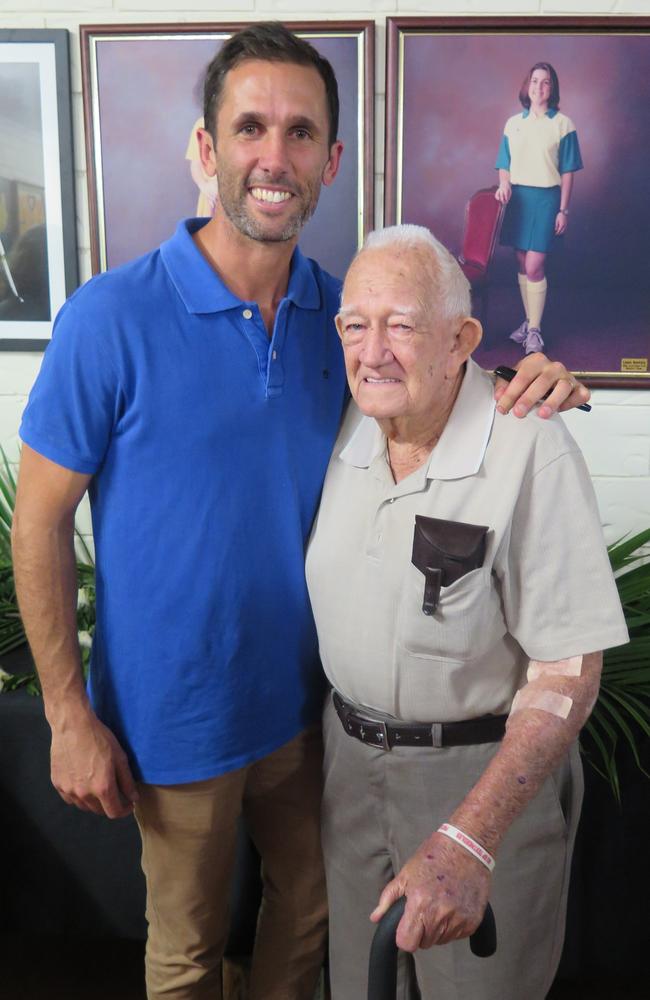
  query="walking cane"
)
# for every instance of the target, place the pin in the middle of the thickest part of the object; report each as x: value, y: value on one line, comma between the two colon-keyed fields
x: 382, y: 972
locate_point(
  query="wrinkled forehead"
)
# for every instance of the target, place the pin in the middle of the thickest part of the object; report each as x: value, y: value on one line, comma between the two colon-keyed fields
x: 406, y: 274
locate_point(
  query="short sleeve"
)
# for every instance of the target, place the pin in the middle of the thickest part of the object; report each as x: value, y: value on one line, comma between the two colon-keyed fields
x: 559, y: 594
x: 503, y: 155
x: 75, y: 402
x: 569, y: 157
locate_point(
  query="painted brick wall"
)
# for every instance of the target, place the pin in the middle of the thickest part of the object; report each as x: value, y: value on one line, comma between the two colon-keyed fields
x: 615, y: 437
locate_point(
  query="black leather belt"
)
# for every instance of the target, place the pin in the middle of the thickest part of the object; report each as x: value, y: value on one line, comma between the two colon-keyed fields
x: 386, y: 735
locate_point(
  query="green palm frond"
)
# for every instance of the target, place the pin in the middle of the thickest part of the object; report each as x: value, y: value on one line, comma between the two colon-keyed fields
x: 12, y: 633
x: 623, y: 707
x: 7, y: 503
x: 627, y: 549
x: 604, y: 738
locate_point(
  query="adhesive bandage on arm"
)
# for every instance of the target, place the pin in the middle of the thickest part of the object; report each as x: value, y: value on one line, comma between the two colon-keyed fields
x: 546, y: 701
x: 554, y: 668
x: 538, y: 692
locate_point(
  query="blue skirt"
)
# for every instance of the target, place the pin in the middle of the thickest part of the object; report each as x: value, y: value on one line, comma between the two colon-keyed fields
x: 529, y: 222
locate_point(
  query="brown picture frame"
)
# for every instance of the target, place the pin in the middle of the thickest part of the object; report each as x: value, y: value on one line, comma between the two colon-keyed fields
x: 346, y: 210
x: 445, y: 78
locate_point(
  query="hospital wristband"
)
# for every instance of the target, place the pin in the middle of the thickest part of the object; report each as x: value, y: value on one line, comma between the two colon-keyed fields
x: 470, y: 845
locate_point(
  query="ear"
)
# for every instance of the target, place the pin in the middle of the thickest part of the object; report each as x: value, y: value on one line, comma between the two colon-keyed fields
x: 465, y: 341
x: 331, y: 168
x: 339, y: 325
x: 206, y: 151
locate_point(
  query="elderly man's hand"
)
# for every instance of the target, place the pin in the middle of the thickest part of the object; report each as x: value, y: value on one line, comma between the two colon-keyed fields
x: 447, y: 891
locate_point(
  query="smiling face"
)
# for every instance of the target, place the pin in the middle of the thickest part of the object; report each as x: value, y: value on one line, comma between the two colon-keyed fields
x: 402, y: 358
x: 272, y: 152
x: 539, y: 88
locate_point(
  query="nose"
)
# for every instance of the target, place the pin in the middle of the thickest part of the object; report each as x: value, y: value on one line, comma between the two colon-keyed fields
x: 375, y: 348
x: 273, y: 153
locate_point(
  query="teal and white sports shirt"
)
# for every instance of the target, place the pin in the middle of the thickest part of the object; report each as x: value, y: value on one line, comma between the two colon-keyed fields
x: 537, y: 151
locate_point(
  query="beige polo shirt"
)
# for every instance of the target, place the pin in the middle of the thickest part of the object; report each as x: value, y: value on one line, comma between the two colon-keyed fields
x: 545, y: 590
x: 541, y: 149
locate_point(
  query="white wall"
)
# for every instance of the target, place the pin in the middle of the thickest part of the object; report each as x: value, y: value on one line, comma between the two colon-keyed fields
x: 615, y: 437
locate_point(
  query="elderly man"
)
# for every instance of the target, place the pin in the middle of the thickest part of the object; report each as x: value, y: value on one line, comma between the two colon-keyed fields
x: 186, y: 391
x: 460, y: 616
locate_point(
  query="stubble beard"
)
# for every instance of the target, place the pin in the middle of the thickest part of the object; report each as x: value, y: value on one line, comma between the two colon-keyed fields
x: 234, y: 207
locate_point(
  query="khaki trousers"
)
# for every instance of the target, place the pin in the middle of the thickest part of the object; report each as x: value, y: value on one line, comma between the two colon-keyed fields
x: 378, y: 807
x: 188, y: 850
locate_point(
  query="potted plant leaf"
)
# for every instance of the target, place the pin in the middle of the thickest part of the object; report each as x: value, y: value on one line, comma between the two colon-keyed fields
x: 623, y: 706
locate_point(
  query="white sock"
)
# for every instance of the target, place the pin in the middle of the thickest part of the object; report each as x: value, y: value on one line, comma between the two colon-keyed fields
x: 536, y: 296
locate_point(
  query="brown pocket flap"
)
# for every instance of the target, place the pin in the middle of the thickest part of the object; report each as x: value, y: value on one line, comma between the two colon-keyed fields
x: 445, y: 551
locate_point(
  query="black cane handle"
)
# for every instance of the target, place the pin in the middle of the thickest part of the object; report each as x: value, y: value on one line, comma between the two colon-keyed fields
x: 382, y: 972
x: 483, y: 942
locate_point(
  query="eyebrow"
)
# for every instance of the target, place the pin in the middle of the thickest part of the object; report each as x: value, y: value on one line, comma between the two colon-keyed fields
x: 247, y: 116
x: 397, y: 311
x: 303, y: 121
x: 300, y: 121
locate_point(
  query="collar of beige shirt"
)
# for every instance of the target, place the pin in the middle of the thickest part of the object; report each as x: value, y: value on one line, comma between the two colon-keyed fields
x: 460, y: 450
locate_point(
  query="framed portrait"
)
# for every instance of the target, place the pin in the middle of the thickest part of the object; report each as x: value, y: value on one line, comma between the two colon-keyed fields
x: 38, y: 250
x: 143, y: 103
x: 542, y: 194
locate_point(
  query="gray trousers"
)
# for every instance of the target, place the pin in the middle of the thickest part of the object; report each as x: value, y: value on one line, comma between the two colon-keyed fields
x: 378, y: 807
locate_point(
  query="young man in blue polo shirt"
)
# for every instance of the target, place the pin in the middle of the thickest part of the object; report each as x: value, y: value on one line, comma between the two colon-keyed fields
x: 196, y: 393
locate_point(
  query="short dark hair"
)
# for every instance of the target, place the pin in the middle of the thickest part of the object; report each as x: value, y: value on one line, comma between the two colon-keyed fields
x: 273, y: 42
x: 554, y: 99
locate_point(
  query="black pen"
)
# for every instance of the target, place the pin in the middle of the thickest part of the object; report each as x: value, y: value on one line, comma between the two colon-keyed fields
x: 509, y: 373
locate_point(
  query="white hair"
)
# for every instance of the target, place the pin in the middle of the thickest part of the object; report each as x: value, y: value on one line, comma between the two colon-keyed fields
x: 451, y: 288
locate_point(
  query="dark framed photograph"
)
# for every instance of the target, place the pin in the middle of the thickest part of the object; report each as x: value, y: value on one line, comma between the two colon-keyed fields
x: 38, y: 248
x: 143, y: 104
x: 523, y: 144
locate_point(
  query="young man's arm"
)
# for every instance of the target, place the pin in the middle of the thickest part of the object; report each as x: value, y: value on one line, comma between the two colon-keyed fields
x: 89, y: 768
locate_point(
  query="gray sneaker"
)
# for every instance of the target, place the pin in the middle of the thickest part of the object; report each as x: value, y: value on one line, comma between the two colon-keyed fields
x: 519, y: 335
x: 533, y: 341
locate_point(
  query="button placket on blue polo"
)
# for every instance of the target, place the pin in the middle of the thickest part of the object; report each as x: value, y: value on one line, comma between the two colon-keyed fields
x: 252, y: 324
x: 268, y: 353
x: 275, y: 351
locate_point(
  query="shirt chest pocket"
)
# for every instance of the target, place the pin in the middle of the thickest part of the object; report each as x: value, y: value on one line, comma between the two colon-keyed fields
x: 465, y: 624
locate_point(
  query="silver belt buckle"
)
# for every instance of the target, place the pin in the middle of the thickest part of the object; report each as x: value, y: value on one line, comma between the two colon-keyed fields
x: 381, y: 743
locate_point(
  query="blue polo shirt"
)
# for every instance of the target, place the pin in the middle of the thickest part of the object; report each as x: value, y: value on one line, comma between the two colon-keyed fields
x: 208, y: 444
